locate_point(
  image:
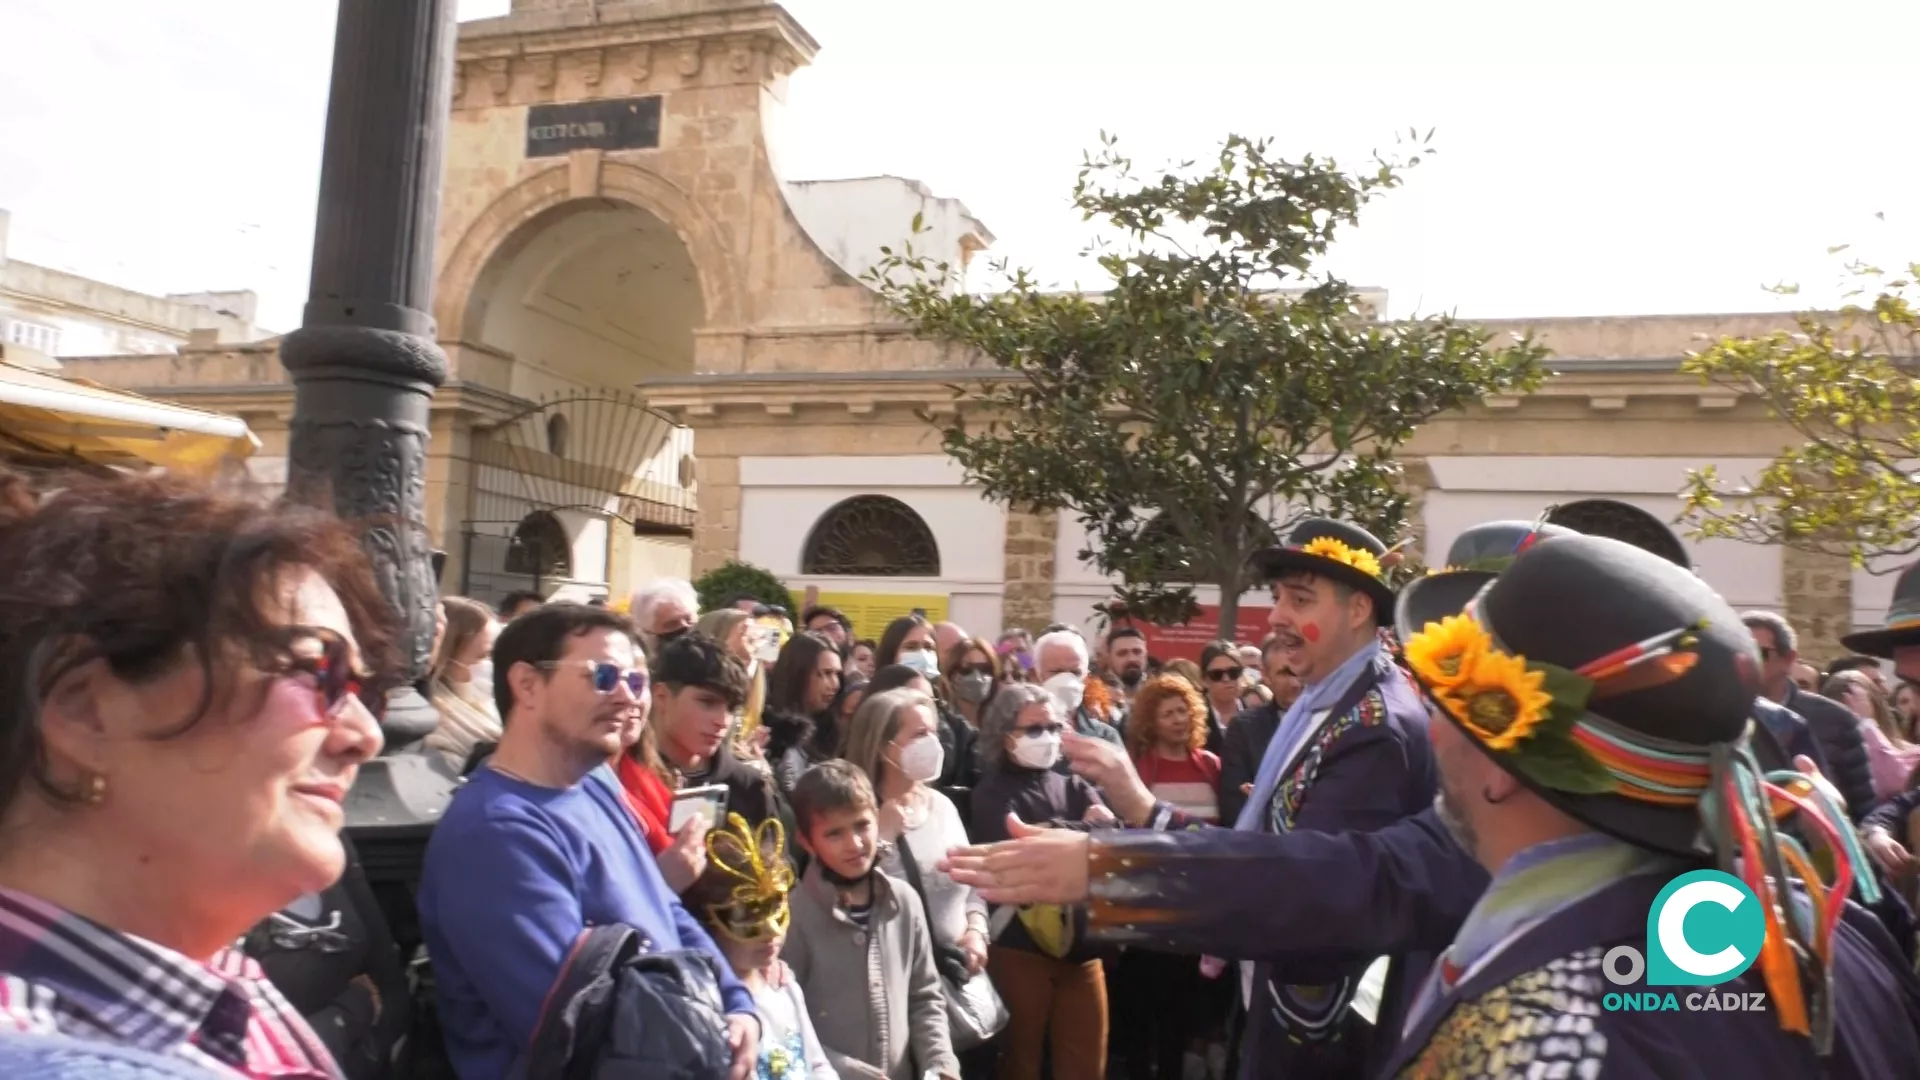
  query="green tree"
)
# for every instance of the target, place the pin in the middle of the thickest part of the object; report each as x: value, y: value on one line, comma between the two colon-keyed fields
x: 718, y: 587
x: 1844, y: 384
x: 1221, y: 375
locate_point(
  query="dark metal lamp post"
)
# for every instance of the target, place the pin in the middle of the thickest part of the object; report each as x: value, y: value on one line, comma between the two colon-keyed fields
x: 364, y: 363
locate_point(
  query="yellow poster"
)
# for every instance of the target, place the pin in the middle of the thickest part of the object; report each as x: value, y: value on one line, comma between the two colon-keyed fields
x: 871, y: 612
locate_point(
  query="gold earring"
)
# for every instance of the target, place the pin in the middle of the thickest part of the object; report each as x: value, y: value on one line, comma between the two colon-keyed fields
x: 97, y: 789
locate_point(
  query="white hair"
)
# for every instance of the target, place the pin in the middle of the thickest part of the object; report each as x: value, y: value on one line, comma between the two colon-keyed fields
x: 649, y: 597
x: 1064, y: 638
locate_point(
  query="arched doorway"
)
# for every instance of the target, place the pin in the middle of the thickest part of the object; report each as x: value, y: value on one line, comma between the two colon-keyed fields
x: 540, y: 549
x: 592, y: 292
x: 587, y: 298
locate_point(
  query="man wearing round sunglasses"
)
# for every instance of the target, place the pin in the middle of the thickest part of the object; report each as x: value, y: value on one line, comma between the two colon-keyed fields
x: 539, y: 845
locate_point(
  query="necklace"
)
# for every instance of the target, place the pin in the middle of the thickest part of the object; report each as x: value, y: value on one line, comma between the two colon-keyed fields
x: 914, y: 808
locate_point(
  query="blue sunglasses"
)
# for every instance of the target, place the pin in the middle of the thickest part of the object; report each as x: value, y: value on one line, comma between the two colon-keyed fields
x: 607, y: 676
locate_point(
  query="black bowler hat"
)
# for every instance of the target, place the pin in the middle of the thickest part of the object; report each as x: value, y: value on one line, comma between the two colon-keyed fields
x: 1493, y: 545
x: 1599, y: 674
x: 1625, y: 522
x: 1337, y: 551
x: 1903, y: 620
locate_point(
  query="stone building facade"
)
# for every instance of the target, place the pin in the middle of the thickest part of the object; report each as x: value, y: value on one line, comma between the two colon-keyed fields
x: 613, y: 221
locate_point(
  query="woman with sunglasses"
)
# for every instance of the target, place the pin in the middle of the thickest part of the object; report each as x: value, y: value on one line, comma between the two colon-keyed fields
x: 973, y: 673
x: 1053, y: 986
x: 1224, y: 674
x: 183, y: 688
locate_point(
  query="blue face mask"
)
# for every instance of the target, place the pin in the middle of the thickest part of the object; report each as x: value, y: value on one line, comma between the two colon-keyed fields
x: 922, y: 661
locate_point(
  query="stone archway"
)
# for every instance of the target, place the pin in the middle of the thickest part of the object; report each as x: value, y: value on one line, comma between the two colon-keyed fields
x: 513, y: 219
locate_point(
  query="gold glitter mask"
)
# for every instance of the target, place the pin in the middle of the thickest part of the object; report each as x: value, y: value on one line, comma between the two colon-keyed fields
x: 754, y: 862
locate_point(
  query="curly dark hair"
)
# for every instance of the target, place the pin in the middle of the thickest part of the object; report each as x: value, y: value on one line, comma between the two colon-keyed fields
x: 146, y: 573
x: 1143, y: 719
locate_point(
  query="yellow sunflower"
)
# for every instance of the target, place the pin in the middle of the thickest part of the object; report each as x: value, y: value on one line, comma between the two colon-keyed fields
x: 1443, y: 654
x: 1501, y: 701
x: 1329, y: 548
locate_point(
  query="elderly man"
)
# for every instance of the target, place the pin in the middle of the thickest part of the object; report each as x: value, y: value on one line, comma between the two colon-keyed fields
x: 663, y: 610
x: 1060, y: 666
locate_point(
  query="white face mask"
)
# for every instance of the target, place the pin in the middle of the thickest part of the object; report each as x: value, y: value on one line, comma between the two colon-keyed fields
x: 922, y: 661
x: 482, y: 674
x: 921, y: 759
x: 1037, y: 751
x: 1067, y: 690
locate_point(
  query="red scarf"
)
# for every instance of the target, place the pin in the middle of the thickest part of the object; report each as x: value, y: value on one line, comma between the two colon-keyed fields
x: 650, y: 800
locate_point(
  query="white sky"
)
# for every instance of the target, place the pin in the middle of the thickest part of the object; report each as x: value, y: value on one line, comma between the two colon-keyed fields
x: 1596, y: 158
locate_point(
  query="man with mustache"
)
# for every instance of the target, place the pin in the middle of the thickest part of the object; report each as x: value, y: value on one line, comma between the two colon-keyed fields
x: 1127, y: 658
x: 1595, y: 853
x: 1350, y: 754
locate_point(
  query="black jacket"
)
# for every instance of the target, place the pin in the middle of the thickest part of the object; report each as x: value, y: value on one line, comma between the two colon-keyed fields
x: 1838, y: 731
x: 750, y: 791
x: 620, y: 1012
x: 960, y: 763
x: 336, y: 962
x: 787, y: 732
x: 1241, y: 749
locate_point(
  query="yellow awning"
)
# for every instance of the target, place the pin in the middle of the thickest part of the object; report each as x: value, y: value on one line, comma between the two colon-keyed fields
x: 43, y: 411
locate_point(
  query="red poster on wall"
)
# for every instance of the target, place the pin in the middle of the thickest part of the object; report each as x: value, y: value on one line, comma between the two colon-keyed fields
x: 1187, y: 639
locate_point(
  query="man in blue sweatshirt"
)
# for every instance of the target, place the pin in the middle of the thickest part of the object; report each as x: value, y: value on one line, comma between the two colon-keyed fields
x: 538, y: 845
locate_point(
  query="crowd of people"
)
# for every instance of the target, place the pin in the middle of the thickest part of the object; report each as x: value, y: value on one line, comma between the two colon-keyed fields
x: 1391, y: 838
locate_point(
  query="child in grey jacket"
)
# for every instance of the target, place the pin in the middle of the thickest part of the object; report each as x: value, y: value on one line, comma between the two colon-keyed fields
x: 859, y: 944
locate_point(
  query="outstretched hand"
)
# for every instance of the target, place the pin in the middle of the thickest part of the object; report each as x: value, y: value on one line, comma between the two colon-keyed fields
x: 1035, y: 866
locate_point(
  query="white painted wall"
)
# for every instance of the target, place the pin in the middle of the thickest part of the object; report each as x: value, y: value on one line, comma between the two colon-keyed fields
x: 782, y: 498
x: 852, y: 220
x: 1078, y: 586
x: 1470, y: 490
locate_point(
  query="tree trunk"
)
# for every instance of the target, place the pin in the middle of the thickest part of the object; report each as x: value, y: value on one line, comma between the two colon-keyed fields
x: 1230, y: 589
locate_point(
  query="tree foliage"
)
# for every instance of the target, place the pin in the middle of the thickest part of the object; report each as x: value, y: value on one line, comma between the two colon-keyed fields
x: 1844, y: 383
x: 1220, y: 387
x: 719, y: 587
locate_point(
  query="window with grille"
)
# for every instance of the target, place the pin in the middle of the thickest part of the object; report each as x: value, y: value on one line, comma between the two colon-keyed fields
x: 871, y: 536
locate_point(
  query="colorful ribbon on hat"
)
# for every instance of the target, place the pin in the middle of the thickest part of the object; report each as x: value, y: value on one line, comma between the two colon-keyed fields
x: 1796, y: 956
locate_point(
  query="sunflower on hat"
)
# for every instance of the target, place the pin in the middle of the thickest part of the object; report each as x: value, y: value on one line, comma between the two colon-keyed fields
x: 1495, y: 695
x: 1329, y: 548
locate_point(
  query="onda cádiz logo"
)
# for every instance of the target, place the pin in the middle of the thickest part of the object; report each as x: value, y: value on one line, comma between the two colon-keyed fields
x: 1704, y: 929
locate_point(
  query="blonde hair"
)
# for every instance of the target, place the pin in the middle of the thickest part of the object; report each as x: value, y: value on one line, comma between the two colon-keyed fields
x: 466, y: 619
x: 875, y: 724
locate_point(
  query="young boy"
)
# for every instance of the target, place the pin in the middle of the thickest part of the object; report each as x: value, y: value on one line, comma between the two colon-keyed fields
x: 850, y: 922
x: 742, y: 901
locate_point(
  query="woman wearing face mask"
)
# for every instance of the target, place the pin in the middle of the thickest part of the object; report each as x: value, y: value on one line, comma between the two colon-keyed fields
x: 468, y: 719
x: 1053, y: 984
x: 909, y: 642
x: 892, y: 739
x: 973, y: 672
